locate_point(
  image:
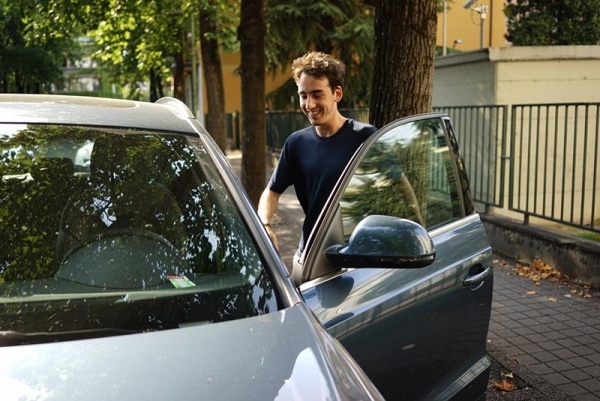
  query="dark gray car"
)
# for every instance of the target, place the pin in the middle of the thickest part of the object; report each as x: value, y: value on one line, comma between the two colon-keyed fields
x: 133, y: 266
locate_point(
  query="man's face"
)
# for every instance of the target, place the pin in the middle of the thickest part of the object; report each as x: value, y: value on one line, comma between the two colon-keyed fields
x: 317, y: 100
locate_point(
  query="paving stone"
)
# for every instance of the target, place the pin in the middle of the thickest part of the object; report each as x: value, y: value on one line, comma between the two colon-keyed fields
x: 557, y: 379
x: 582, y: 350
x: 576, y: 375
x: 523, y: 331
x: 553, y: 335
x: 541, y: 369
x: 519, y: 341
x: 586, y: 397
x: 580, y: 362
x: 564, y: 353
x: 550, y: 335
x: 569, y: 343
x: 591, y: 385
x: 572, y: 389
x: 545, y: 357
x: 573, y: 332
x: 550, y: 345
x: 527, y: 360
x: 558, y: 326
x: 560, y: 365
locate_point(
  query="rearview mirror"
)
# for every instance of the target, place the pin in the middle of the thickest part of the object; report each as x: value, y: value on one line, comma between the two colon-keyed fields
x: 385, y: 241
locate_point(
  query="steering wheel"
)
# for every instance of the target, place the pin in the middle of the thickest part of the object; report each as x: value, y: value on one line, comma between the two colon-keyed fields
x: 123, y: 259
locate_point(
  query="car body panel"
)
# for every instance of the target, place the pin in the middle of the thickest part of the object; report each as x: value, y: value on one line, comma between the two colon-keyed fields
x: 418, y: 333
x: 282, y: 353
x: 413, y: 319
x: 278, y: 356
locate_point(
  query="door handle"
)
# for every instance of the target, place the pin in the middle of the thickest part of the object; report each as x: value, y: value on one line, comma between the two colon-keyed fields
x: 477, y: 275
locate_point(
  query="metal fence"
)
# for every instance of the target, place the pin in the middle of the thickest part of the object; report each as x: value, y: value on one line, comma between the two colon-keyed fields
x: 554, y: 163
x: 481, y: 133
x: 539, y: 160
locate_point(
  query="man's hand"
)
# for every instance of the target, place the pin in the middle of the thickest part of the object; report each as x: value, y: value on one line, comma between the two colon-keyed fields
x: 272, y: 236
x: 267, y: 206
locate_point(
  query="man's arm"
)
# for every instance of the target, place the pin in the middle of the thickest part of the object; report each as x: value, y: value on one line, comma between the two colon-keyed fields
x: 267, y: 206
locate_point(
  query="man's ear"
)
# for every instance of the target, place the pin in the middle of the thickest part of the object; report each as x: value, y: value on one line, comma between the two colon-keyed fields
x: 338, y: 93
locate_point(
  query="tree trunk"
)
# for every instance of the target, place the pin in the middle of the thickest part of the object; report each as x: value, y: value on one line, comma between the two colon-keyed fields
x: 213, y: 77
x: 156, y: 91
x: 252, y: 40
x: 404, y: 54
x: 179, y: 76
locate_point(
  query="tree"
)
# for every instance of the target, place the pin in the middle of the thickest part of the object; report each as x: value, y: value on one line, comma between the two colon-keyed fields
x: 343, y: 28
x: 141, y: 41
x: 34, y: 44
x: 252, y: 44
x: 553, y: 23
x: 215, y: 31
x: 404, y: 54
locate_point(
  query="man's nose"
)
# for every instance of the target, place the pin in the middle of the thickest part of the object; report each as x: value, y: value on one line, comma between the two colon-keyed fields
x: 310, y: 102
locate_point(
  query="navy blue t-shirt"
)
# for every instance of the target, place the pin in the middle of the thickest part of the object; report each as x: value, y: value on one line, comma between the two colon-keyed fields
x: 313, y: 165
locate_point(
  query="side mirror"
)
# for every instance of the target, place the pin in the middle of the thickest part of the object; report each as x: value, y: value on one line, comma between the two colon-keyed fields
x: 385, y: 241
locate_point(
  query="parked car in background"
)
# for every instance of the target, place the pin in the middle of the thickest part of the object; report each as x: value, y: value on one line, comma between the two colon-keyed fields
x: 133, y: 266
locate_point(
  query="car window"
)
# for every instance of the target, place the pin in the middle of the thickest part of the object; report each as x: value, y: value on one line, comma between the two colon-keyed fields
x: 120, y: 229
x: 408, y: 172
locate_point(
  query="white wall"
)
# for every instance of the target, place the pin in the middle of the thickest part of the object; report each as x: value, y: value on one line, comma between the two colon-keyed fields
x: 513, y: 75
x: 532, y: 75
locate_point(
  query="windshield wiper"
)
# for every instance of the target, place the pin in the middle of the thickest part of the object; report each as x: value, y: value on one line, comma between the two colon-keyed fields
x: 8, y: 338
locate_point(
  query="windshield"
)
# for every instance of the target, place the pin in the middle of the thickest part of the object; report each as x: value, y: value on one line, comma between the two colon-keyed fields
x: 104, y: 229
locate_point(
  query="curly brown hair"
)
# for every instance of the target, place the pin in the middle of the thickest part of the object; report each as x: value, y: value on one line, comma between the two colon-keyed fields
x: 319, y: 65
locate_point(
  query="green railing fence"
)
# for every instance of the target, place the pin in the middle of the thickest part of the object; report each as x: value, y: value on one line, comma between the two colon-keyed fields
x: 539, y: 160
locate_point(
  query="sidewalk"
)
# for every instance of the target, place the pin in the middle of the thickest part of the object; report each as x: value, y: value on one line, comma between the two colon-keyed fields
x: 546, y: 336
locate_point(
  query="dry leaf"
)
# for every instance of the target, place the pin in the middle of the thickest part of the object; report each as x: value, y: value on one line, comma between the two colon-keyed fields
x: 552, y: 299
x: 530, y: 293
x: 505, y: 384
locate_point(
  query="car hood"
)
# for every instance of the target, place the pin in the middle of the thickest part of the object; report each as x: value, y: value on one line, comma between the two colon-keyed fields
x: 279, y: 356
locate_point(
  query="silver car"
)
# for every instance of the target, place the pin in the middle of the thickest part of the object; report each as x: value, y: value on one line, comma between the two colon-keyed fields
x: 133, y: 266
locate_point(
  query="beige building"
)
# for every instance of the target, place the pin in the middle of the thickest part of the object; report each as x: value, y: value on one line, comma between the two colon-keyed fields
x: 470, y: 25
x: 462, y: 27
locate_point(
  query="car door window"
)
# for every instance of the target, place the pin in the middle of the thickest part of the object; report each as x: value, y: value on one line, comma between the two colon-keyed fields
x: 408, y: 172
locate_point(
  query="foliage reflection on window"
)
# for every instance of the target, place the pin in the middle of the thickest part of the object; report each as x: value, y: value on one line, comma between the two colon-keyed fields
x: 407, y: 173
x: 64, y: 187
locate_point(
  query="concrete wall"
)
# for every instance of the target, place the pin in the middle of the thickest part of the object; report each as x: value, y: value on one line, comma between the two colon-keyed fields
x: 534, y: 75
x: 573, y: 256
x: 513, y: 75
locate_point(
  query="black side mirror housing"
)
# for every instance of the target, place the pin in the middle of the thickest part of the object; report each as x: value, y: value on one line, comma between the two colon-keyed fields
x: 385, y: 241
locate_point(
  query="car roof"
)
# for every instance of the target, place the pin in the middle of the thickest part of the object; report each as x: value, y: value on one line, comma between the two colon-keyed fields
x: 167, y: 114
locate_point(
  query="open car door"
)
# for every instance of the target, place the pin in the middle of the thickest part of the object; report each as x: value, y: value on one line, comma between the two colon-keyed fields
x: 411, y: 305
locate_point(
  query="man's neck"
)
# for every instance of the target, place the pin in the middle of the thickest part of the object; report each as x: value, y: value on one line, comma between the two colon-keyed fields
x: 331, y: 128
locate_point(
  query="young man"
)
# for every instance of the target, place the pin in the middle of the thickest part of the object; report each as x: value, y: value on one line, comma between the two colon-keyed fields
x: 312, y: 159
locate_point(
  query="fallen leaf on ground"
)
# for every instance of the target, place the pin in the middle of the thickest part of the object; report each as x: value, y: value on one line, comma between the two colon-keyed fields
x: 538, y: 271
x: 505, y: 384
